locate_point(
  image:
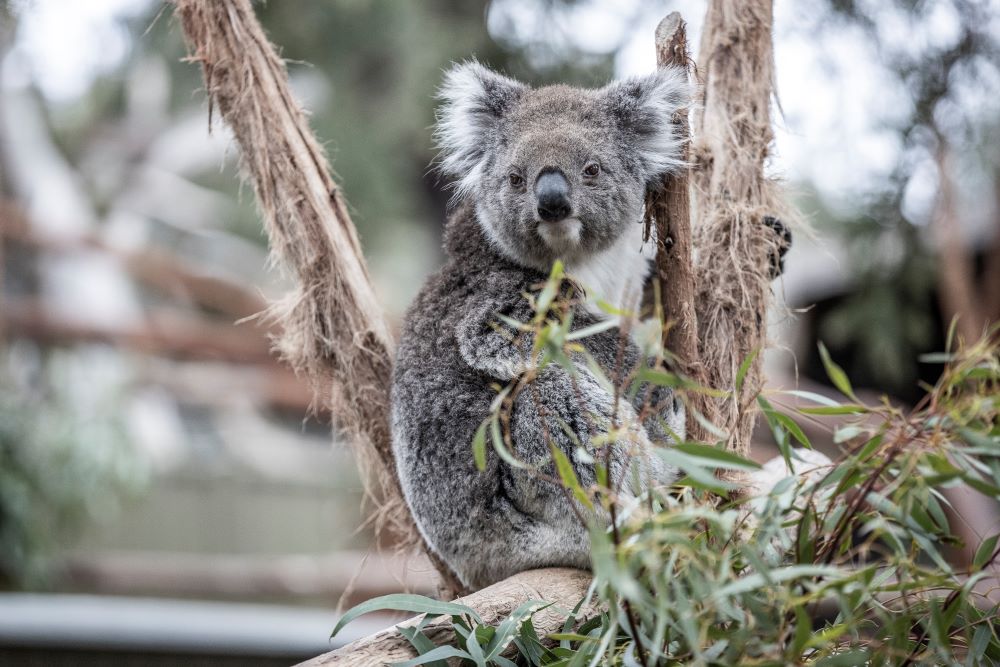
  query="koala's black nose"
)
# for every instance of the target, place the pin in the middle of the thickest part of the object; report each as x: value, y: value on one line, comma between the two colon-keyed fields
x: 552, y: 191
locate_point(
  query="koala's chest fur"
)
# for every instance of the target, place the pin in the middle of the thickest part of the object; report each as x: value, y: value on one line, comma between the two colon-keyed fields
x: 616, y: 275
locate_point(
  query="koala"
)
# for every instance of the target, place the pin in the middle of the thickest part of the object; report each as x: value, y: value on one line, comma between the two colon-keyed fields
x: 540, y: 174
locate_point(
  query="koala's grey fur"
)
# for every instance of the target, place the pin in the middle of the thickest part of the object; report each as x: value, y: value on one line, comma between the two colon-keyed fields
x: 489, y: 525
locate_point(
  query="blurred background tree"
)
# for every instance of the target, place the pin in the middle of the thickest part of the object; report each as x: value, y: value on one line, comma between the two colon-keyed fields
x: 925, y: 243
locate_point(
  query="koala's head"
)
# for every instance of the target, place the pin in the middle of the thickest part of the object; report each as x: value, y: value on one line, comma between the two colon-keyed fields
x: 557, y: 172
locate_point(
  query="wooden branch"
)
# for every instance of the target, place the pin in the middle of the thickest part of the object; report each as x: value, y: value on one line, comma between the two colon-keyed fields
x: 332, y: 327
x: 158, y: 269
x: 957, y: 289
x: 3, y: 273
x: 164, y: 333
x: 217, y: 384
x: 731, y: 197
x: 563, y: 586
x: 991, y: 272
x: 671, y: 210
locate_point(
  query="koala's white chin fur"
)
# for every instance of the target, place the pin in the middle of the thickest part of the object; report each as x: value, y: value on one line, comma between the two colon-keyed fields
x: 616, y: 274
x: 562, y: 236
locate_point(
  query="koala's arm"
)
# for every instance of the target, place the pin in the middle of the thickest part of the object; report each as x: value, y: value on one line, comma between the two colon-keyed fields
x: 574, y: 412
x: 559, y: 398
x: 490, y: 345
x: 493, y: 347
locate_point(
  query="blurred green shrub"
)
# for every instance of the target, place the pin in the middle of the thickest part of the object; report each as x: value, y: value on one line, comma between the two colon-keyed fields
x: 64, y: 466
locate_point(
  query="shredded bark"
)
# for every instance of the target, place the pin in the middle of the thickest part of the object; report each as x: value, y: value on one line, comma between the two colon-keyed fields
x: 731, y: 198
x: 332, y: 328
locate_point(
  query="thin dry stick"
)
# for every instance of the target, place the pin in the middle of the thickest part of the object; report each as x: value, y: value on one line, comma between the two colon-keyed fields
x: 332, y: 328
x: 671, y: 210
x: 731, y: 197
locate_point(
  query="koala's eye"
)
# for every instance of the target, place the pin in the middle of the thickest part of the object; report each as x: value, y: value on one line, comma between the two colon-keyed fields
x: 592, y: 170
x: 515, y: 179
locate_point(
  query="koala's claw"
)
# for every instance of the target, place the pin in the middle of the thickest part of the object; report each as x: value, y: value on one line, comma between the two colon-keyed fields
x: 784, y: 243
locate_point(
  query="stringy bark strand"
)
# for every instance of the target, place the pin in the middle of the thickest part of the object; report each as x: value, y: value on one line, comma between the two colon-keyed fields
x: 332, y: 328
x: 731, y: 197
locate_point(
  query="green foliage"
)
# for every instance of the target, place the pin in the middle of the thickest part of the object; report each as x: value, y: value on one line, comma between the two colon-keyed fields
x: 62, y: 468
x: 846, y: 565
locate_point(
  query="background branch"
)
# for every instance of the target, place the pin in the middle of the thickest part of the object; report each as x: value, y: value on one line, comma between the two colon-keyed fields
x: 332, y: 328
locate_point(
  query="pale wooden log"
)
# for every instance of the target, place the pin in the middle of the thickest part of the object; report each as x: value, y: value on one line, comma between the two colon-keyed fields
x: 731, y: 197
x: 563, y: 586
x: 671, y: 211
x: 332, y: 325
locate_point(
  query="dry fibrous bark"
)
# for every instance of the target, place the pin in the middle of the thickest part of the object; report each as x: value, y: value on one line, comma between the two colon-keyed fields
x: 332, y: 329
x: 671, y: 211
x: 564, y: 586
x: 731, y: 198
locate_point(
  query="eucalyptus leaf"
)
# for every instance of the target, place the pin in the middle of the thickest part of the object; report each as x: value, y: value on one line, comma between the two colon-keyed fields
x: 404, y: 602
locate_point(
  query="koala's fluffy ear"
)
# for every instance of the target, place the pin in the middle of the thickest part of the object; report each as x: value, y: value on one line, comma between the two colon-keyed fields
x: 474, y: 99
x: 642, y: 108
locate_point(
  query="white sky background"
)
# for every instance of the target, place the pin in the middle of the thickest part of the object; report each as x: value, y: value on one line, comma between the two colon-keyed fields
x: 64, y: 44
x: 835, y: 104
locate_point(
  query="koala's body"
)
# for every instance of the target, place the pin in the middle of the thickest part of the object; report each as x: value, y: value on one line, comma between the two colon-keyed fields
x: 543, y: 174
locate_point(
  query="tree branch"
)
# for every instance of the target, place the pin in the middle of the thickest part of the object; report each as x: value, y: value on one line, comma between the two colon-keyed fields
x: 731, y: 197
x: 564, y: 587
x: 332, y: 328
x: 956, y: 280
x: 671, y: 210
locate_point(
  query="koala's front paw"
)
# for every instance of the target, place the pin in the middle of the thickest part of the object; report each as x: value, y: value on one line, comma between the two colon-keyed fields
x: 784, y: 243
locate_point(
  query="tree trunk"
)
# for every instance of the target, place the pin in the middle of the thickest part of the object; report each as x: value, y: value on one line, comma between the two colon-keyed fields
x: 731, y: 197
x: 956, y: 272
x: 991, y: 272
